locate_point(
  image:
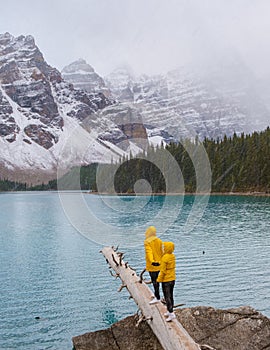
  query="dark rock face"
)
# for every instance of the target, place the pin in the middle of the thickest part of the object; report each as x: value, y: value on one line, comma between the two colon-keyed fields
x: 93, y: 101
x: 129, y: 124
x: 41, y: 102
x: 26, y: 78
x: 40, y: 135
x: 8, y: 127
x: 39, y: 93
x: 134, y: 130
x: 241, y: 328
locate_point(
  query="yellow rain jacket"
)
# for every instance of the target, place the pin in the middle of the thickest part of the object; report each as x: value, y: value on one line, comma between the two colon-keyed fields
x: 153, y: 249
x: 167, y: 266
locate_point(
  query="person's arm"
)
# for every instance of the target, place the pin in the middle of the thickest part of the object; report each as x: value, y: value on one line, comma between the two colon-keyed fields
x: 149, y: 252
x: 162, y: 271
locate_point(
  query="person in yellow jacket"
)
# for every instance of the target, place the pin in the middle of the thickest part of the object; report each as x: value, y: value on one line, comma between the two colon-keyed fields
x: 167, y: 278
x: 153, y: 254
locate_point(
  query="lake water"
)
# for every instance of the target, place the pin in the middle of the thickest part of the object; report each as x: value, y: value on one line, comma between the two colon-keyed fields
x: 52, y: 272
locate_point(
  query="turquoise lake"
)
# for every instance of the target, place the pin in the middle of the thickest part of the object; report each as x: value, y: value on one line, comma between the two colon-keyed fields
x: 51, y: 271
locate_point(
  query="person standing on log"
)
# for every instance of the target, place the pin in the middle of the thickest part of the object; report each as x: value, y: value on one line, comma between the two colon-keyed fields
x: 153, y: 255
x: 167, y: 278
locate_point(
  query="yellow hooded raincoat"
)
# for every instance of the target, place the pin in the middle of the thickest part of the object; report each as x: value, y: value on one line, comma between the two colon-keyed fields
x: 167, y: 266
x: 153, y: 249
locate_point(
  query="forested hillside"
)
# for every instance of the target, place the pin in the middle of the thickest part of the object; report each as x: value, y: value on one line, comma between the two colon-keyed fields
x: 238, y: 164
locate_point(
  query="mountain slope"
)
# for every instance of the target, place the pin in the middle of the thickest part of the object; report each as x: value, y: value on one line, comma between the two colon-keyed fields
x: 44, y: 121
x: 47, y: 122
x: 185, y: 102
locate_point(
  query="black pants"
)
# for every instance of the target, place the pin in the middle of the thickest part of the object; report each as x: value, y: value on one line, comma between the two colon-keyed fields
x: 154, y: 276
x: 167, y: 288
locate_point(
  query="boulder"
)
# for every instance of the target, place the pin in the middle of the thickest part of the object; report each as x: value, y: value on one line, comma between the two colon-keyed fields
x: 241, y: 328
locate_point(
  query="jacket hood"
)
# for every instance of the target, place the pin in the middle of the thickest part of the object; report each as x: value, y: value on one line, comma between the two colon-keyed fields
x: 168, y: 247
x: 150, y: 232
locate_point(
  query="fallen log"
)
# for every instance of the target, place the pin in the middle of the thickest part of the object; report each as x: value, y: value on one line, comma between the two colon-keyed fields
x: 171, y: 335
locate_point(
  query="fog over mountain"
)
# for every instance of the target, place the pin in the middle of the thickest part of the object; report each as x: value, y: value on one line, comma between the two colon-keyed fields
x: 152, y: 36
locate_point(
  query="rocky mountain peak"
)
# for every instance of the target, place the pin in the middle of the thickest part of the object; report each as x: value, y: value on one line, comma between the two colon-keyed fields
x: 122, y: 74
x: 5, y: 38
x: 83, y: 76
x: 37, y: 105
x: 26, y: 88
x: 120, y: 81
x: 11, y: 43
x: 39, y: 112
x: 77, y: 66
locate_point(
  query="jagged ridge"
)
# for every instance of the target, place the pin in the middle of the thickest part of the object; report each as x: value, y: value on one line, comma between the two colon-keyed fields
x: 39, y: 110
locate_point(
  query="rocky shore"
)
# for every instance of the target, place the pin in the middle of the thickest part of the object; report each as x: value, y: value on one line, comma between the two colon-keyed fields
x: 241, y: 328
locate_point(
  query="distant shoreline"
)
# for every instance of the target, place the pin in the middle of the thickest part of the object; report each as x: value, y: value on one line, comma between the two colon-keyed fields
x: 252, y: 194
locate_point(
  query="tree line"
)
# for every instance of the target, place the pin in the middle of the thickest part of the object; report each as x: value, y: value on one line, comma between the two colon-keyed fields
x: 240, y: 163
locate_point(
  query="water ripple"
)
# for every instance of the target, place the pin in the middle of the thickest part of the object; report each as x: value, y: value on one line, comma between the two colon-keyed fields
x: 55, y: 284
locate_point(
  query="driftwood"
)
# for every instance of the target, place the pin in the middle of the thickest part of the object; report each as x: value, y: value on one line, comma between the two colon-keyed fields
x: 171, y: 335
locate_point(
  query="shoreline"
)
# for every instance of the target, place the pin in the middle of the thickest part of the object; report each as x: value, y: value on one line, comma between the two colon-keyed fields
x: 251, y: 194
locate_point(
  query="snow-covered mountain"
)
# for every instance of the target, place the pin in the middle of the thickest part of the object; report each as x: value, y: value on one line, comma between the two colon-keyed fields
x: 49, y: 121
x: 206, y: 101
x: 45, y: 122
x: 84, y: 77
x: 186, y: 102
x: 121, y: 83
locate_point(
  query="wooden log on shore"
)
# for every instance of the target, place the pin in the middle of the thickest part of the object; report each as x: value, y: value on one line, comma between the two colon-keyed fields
x: 171, y: 335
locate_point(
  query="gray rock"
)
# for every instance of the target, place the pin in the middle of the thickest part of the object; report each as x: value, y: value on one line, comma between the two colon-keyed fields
x: 240, y: 328
x: 40, y: 93
x: 129, y: 124
x: 121, y: 335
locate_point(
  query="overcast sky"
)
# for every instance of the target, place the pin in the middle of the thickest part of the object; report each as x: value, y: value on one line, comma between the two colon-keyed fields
x: 150, y: 35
